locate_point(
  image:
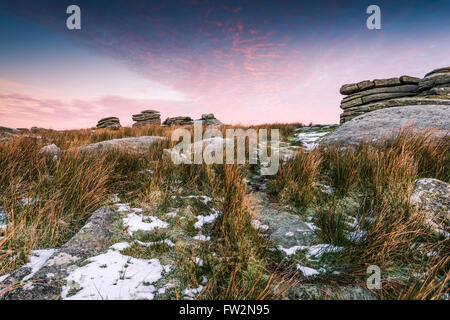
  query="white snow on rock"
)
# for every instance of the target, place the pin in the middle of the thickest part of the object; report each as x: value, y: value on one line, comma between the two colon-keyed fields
x: 149, y: 244
x: 201, y: 237
x: 120, y: 246
x: 171, y: 214
x: 201, y: 220
x: 258, y: 225
x: 136, y: 222
x: 113, y: 276
x: 3, y: 277
x: 307, y: 272
x: 191, y: 293
x: 312, y: 226
x: 314, y: 251
x: 198, y: 261
x: 308, y: 139
x: 356, y: 236
x: 37, y: 259
x: 121, y: 207
x: 2, y: 219
x: 204, y: 199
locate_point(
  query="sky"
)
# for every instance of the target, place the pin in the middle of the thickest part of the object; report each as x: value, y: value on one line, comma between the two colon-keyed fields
x: 248, y: 62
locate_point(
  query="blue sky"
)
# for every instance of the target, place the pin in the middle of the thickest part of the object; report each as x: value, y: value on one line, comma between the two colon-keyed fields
x: 246, y: 61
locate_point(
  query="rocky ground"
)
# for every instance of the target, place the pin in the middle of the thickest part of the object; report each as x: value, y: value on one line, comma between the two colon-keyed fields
x: 129, y: 251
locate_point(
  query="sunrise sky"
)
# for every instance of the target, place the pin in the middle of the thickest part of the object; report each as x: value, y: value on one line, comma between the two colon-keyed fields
x: 245, y: 61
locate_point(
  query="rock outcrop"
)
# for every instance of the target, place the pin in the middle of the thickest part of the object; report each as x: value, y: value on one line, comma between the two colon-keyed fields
x: 209, y: 119
x: 51, y: 150
x: 433, y: 196
x: 112, y: 123
x: 179, y: 121
x: 147, y: 117
x: 129, y: 145
x: 46, y: 282
x: 436, y: 82
x: 367, y: 96
x: 379, y: 124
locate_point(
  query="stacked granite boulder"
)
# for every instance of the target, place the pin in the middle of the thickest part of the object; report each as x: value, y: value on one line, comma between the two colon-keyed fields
x: 112, y: 123
x: 367, y: 96
x: 147, y: 117
x: 436, y: 82
x: 178, y: 121
x: 208, y: 119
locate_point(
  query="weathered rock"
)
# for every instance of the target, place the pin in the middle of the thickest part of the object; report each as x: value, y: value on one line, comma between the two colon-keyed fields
x: 209, y: 144
x: 440, y: 90
x: 112, y: 123
x: 285, y: 229
x: 434, y: 79
x: 51, y: 150
x: 351, y: 112
x: 209, y: 119
x: 409, y: 80
x: 349, y: 88
x: 147, y: 117
x: 327, y: 292
x: 129, y: 145
x: 364, y: 96
x: 6, y: 136
x: 6, y: 129
x: 378, y: 94
x: 386, y: 82
x: 47, y: 282
x: 440, y: 70
x: 433, y: 196
x: 179, y: 121
x: 379, y: 124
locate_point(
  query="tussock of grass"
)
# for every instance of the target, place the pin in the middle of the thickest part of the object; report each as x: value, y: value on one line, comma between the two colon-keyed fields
x: 295, y: 180
x: 381, y: 178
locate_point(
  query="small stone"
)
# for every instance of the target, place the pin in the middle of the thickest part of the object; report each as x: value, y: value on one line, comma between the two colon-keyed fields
x: 51, y: 150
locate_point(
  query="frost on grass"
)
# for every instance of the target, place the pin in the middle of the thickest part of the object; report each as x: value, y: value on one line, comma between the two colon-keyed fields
x: 115, y: 276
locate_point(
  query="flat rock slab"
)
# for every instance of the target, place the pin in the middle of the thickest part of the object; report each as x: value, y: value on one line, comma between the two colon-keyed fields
x: 380, y: 124
x: 139, y: 144
x: 47, y: 282
x: 324, y: 292
x: 285, y: 229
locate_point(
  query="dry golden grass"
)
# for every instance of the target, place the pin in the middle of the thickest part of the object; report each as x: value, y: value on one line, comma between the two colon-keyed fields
x: 62, y: 194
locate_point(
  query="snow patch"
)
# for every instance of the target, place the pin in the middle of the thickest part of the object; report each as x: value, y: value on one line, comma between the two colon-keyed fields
x: 258, y: 225
x: 201, y: 220
x: 191, y: 293
x: 114, y: 276
x: 201, y: 237
x: 312, y: 251
x: 307, y: 272
x: 37, y: 259
x: 136, y: 222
